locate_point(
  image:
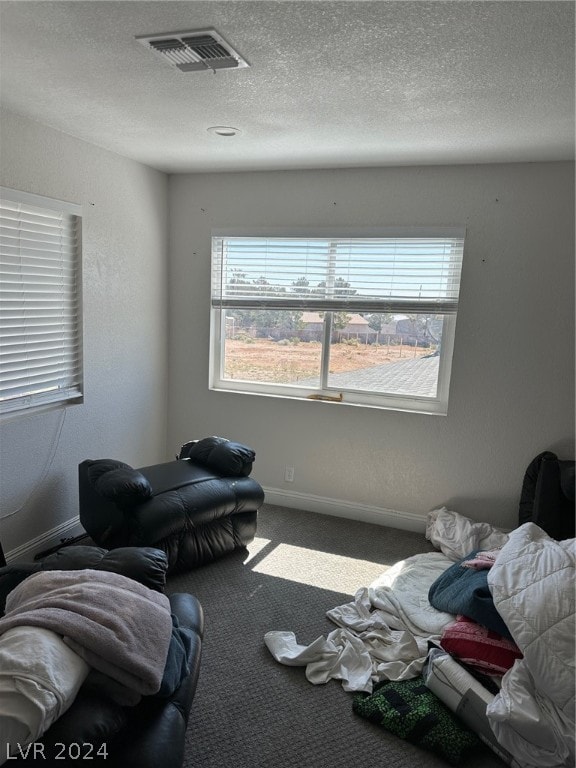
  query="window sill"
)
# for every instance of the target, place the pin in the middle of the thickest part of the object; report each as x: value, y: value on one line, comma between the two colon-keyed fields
x: 399, y: 404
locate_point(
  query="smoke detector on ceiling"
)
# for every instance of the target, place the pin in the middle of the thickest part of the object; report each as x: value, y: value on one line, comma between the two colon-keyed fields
x: 201, y: 50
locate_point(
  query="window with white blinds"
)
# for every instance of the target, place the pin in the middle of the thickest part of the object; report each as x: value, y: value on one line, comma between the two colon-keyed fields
x: 40, y: 302
x: 366, y: 319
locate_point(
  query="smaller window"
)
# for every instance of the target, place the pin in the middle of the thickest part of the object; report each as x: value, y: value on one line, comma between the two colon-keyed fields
x: 364, y: 320
x: 40, y: 302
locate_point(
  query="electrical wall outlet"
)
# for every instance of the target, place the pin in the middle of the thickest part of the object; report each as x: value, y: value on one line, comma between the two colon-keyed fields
x: 289, y: 474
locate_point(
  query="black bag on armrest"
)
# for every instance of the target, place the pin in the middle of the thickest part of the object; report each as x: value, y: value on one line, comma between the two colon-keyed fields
x: 220, y: 455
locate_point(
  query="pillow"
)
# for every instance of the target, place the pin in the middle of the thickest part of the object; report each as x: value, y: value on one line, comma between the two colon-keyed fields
x: 479, y: 647
x: 408, y: 709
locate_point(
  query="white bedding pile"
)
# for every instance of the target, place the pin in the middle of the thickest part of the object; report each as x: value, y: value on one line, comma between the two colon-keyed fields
x: 383, y: 633
x: 532, y: 583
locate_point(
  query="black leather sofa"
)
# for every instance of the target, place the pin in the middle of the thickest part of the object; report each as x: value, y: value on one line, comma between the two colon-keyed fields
x: 148, y: 735
x: 196, y: 509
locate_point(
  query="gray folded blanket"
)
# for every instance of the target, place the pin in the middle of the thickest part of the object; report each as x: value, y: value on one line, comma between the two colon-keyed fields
x: 118, y: 626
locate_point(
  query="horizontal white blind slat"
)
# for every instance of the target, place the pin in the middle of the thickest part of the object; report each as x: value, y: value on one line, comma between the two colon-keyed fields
x: 21, y: 211
x: 24, y: 217
x: 50, y: 327
x: 42, y: 379
x: 32, y: 240
x: 45, y: 282
x: 40, y: 321
x: 384, y: 306
x: 39, y: 345
x: 42, y: 399
x: 36, y: 361
x: 43, y: 348
x: 33, y: 385
x: 33, y: 244
x: 30, y: 220
x: 43, y: 325
x: 41, y: 290
x: 37, y: 396
x: 52, y: 373
x: 11, y: 273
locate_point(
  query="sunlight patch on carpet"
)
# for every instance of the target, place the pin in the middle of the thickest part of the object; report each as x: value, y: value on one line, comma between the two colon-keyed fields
x: 318, y: 569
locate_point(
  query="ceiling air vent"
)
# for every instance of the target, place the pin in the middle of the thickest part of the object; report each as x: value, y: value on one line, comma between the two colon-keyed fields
x: 197, y: 51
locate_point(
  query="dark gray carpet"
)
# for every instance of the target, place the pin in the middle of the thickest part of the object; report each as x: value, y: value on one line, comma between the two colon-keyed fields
x: 250, y: 711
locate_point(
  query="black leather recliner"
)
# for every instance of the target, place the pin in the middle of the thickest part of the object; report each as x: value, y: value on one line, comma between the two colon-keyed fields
x: 147, y: 735
x: 196, y: 509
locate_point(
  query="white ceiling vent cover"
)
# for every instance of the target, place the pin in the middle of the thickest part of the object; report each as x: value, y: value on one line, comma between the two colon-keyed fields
x: 200, y: 50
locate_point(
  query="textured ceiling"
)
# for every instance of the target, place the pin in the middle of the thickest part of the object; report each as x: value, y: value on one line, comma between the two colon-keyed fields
x: 331, y: 84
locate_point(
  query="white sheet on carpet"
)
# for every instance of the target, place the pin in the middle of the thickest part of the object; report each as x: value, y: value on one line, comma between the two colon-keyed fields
x: 383, y: 633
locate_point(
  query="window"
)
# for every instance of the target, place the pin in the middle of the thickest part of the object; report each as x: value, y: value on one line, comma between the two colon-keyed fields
x: 363, y: 320
x: 40, y: 302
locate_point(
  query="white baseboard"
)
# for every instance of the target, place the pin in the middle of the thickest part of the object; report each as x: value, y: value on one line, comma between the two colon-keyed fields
x: 46, y: 540
x: 406, y: 521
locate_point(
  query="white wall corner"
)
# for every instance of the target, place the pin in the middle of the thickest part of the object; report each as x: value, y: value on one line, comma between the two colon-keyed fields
x: 405, y: 521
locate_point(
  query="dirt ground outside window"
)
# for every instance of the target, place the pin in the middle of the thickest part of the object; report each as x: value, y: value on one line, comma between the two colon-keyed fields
x: 280, y: 362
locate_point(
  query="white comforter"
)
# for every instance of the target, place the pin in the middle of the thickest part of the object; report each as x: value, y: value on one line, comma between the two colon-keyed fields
x: 532, y: 583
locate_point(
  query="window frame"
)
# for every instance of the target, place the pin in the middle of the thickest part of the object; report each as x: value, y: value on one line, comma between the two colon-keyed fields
x: 70, y: 390
x: 329, y: 394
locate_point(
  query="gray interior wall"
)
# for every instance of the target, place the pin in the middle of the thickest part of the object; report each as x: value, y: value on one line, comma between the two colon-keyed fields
x: 512, y: 392
x: 125, y: 327
x: 512, y: 388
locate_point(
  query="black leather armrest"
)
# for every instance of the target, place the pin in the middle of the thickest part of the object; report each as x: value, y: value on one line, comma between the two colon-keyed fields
x: 126, y: 486
x: 147, y: 565
x: 223, y: 456
x: 188, y: 610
